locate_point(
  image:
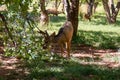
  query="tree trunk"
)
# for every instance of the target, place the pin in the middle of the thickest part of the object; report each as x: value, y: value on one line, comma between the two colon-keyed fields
x: 89, y: 9
x: 112, y: 7
x: 67, y: 9
x: 56, y: 4
x: 95, y: 6
x: 107, y: 10
x: 116, y: 10
x: 110, y: 10
x: 44, y: 19
x: 72, y: 13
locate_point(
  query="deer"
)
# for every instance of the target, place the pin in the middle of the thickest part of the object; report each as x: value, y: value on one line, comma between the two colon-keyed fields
x: 54, y: 12
x: 63, y: 37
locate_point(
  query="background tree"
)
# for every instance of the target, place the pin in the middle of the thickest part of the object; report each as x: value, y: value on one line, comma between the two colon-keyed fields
x: 110, y: 10
x: 89, y: 9
x: 44, y: 19
x: 19, y: 22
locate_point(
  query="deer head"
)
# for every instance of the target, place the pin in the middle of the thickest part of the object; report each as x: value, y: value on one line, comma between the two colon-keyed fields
x: 48, y: 39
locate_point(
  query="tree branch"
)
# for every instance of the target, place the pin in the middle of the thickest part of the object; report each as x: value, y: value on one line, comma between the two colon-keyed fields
x: 67, y: 8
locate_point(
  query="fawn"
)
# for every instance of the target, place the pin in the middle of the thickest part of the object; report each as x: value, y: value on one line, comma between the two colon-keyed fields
x: 64, y: 36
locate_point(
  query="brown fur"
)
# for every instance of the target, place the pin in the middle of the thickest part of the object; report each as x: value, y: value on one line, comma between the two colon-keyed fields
x: 54, y: 12
x: 87, y: 17
x: 64, y: 36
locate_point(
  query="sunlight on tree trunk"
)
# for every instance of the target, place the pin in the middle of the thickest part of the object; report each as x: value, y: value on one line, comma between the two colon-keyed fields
x: 44, y: 19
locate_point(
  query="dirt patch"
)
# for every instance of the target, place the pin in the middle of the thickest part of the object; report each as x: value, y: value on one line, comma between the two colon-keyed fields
x: 104, y: 57
x: 11, y: 68
x: 90, y: 55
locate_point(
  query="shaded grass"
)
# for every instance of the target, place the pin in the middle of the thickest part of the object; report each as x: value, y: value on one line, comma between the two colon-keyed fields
x: 98, y: 39
x: 64, y: 69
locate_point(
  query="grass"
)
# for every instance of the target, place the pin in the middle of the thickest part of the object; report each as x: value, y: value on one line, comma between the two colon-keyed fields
x: 100, y: 35
x: 64, y: 69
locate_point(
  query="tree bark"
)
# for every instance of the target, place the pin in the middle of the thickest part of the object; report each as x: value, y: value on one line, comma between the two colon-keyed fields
x: 89, y: 9
x: 67, y: 9
x: 56, y: 4
x: 116, y: 10
x: 110, y: 10
x: 107, y: 10
x: 72, y: 13
x: 95, y: 6
x: 44, y: 19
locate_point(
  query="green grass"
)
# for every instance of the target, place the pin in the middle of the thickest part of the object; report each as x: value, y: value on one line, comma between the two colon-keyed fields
x: 103, y: 36
x: 63, y: 69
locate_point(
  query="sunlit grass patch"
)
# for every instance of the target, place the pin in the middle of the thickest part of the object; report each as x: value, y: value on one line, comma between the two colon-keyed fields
x: 98, y: 35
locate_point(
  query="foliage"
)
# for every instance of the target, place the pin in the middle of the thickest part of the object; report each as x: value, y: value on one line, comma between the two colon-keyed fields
x: 22, y: 25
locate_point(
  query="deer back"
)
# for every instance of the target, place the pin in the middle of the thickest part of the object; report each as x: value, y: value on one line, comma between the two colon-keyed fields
x: 65, y: 33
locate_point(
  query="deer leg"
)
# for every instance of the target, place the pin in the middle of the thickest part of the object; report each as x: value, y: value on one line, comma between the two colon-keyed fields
x: 68, y: 48
x: 62, y: 51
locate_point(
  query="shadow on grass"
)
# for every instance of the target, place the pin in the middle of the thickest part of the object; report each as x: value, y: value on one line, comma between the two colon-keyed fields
x: 103, y: 40
x: 55, y: 19
x: 64, y: 69
x: 98, y: 19
x: 101, y: 19
x: 11, y: 69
